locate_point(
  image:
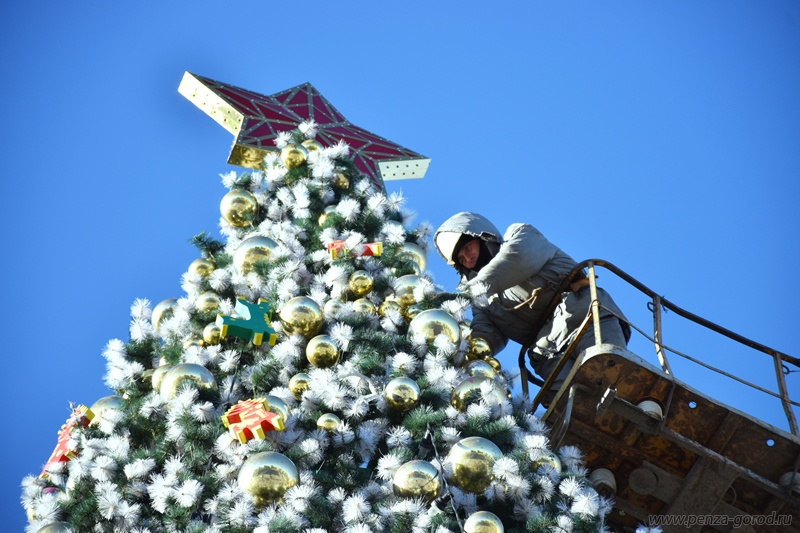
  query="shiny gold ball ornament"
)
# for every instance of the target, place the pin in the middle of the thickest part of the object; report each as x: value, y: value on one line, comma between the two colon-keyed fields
x: 547, y: 458
x: 328, y: 422
x: 252, y: 250
x: 158, y: 375
x: 267, y: 476
x: 301, y: 315
x: 239, y: 208
x: 277, y: 406
x: 412, y: 311
x: 389, y: 304
x: 478, y: 349
x: 340, y: 180
x: 416, y: 479
x: 298, y: 384
x: 312, y: 145
x: 183, y: 373
x: 364, y: 305
x: 106, y: 403
x: 483, y: 522
x: 479, y: 367
x: 473, y: 459
x: 332, y: 307
x: 415, y: 253
x: 325, y: 214
x: 164, y: 309
x: 56, y: 527
x: 434, y: 322
x: 194, y: 340
x: 207, y: 302
x: 202, y: 267
x: 494, y: 362
x: 469, y: 391
x: 322, y: 351
x: 404, y: 288
x: 402, y: 394
x: 211, y: 334
x: 360, y: 282
x: 294, y: 155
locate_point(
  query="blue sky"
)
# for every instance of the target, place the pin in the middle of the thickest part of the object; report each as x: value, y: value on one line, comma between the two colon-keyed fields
x: 662, y: 137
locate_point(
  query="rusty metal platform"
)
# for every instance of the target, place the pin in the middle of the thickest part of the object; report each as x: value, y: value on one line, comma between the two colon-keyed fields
x: 700, y: 459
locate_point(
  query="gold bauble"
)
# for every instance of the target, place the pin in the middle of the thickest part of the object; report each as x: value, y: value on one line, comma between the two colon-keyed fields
x: 293, y: 155
x: 328, y: 422
x: 340, y: 180
x: 547, y: 458
x: 163, y: 309
x: 277, y: 406
x: 473, y: 459
x: 364, y: 305
x: 105, y: 403
x: 322, y: 351
x: 415, y: 479
x: 332, y: 307
x: 267, y: 476
x: 202, y: 267
x: 435, y: 322
x: 469, y: 391
x: 158, y: 375
x: 183, y: 373
x: 239, y: 208
x: 412, y: 311
x: 194, y: 340
x: 147, y: 375
x: 402, y: 394
x: 494, y: 362
x: 404, y: 289
x: 312, y: 146
x: 415, y: 252
x: 479, y: 367
x: 251, y: 251
x: 325, y: 214
x: 207, y: 302
x: 301, y: 315
x: 389, y: 304
x: 478, y: 349
x: 299, y: 384
x: 56, y: 527
x: 212, y: 333
x: 483, y: 522
x: 360, y: 282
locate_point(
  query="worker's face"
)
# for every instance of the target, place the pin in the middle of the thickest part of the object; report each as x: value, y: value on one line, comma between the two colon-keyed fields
x: 468, y: 255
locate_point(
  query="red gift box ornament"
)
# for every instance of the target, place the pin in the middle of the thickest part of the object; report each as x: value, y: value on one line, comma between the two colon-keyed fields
x: 339, y: 249
x: 251, y: 419
x: 81, y: 417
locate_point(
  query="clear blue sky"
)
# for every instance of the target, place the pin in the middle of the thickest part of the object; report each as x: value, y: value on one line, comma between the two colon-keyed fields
x: 661, y: 136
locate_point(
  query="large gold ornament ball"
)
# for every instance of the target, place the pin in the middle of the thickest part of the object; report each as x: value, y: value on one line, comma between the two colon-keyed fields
x: 312, y: 145
x: 164, y: 309
x: 434, y: 322
x: 360, y: 282
x: 547, y: 458
x: 294, y: 155
x: 404, y: 288
x: 364, y: 305
x: 469, y: 391
x: 202, y: 267
x: 473, y: 459
x: 332, y: 307
x: 158, y: 375
x: 478, y: 349
x: 301, y: 315
x: 212, y: 333
x: 494, y: 362
x: 298, y: 384
x: 326, y: 213
x: 322, y: 351
x: 207, y: 302
x: 387, y: 305
x: 328, y: 422
x: 483, y: 522
x: 416, y: 479
x: 194, y: 340
x: 56, y: 527
x: 402, y: 394
x: 252, y: 250
x: 239, y: 208
x: 277, y: 406
x: 186, y: 373
x: 267, y: 476
x: 415, y: 252
x: 412, y: 311
x: 106, y: 403
x: 479, y: 367
x: 340, y: 180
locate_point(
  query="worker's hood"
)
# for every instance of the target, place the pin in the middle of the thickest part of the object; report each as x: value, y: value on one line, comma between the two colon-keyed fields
x: 448, y: 238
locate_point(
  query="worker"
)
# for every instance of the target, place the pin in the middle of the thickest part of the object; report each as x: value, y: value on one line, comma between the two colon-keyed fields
x: 521, y: 273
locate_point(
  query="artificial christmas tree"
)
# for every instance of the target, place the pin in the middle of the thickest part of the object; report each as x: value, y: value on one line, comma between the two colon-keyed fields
x: 312, y: 378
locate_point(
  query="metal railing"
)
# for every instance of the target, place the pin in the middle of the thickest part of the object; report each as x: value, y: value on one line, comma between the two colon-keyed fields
x: 657, y: 304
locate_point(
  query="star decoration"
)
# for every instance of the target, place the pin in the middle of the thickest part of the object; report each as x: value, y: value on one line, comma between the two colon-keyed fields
x: 256, y: 119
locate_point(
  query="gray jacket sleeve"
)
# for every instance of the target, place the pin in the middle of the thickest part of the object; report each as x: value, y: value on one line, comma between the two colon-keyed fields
x: 482, y: 327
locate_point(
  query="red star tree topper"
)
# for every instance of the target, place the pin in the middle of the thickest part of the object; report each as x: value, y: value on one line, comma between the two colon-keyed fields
x: 256, y: 119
